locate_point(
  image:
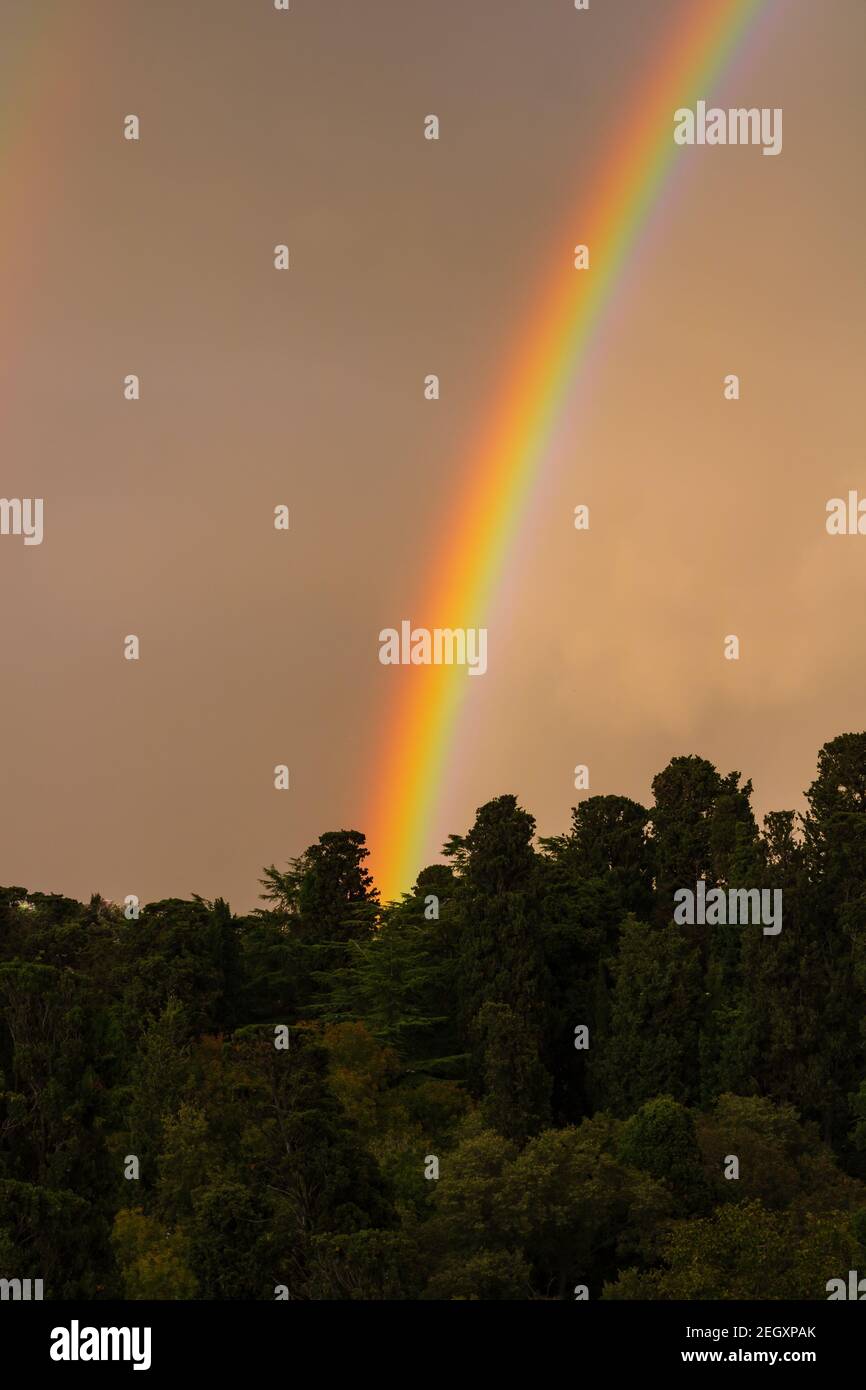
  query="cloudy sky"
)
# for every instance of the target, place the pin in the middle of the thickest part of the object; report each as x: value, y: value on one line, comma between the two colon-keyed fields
x: 305, y: 388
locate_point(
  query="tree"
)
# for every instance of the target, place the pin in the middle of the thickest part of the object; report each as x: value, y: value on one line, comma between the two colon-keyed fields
x: 694, y: 818
x: 516, y: 1084
x: 782, y: 1162
x: 185, y: 950
x: 327, y: 901
x: 501, y: 963
x: 153, y: 1262
x: 573, y: 1207
x: 836, y: 824
x: 160, y: 1075
x: 650, y: 1047
x: 746, y: 1252
x: 609, y: 841
x: 660, y: 1140
x: 321, y: 892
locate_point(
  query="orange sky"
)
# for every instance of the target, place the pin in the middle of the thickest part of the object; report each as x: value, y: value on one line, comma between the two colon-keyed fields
x: 407, y: 258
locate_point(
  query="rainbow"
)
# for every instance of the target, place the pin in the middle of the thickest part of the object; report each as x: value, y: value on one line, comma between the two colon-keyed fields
x: 39, y: 100
x: 508, y: 457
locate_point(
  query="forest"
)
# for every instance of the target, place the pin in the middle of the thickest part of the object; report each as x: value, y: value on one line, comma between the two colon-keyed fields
x: 522, y: 1081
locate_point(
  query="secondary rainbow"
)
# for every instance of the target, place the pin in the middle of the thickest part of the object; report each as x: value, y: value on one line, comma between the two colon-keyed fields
x: 505, y: 462
x: 38, y: 106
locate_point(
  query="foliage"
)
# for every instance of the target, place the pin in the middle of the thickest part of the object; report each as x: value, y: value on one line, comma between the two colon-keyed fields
x: 520, y: 1078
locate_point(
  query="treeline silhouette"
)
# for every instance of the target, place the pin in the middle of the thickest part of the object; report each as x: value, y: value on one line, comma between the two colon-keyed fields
x: 519, y: 1082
